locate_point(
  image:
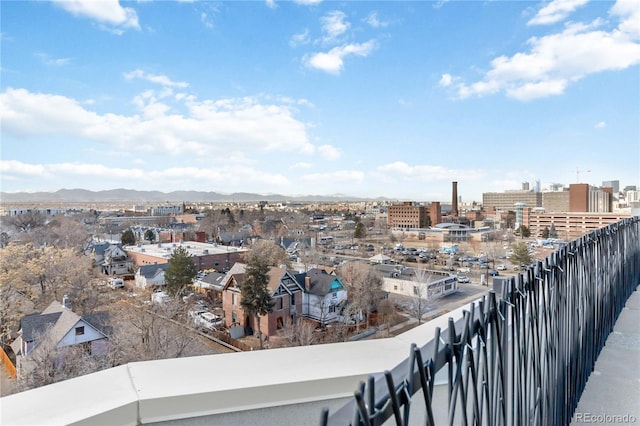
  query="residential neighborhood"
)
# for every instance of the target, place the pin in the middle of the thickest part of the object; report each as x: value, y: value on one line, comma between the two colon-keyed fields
x: 199, y: 280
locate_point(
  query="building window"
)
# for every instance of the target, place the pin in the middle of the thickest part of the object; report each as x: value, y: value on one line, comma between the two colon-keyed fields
x: 332, y: 308
x: 293, y: 300
x: 280, y: 303
x: 415, y: 290
x: 233, y: 299
x: 79, y: 331
x: 279, y: 323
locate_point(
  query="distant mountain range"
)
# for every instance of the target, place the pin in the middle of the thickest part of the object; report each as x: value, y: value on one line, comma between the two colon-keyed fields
x: 130, y: 195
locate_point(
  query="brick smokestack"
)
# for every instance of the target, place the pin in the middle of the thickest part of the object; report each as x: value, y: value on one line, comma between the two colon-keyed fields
x: 454, y: 199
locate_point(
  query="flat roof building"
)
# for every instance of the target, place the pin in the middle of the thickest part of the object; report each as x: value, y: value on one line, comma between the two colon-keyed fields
x: 204, y: 255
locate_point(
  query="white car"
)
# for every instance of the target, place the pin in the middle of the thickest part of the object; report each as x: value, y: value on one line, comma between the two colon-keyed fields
x: 501, y: 268
x: 209, y: 321
x: 463, y: 279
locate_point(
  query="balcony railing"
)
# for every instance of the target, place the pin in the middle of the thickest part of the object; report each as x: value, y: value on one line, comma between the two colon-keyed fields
x: 523, y: 358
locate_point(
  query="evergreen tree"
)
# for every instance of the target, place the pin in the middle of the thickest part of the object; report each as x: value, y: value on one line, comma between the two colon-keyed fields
x: 545, y: 232
x: 553, y: 232
x: 128, y: 238
x: 256, y: 298
x: 523, y: 231
x: 181, y: 271
x: 360, y: 230
x: 149, y: 235
x: 521, y: 255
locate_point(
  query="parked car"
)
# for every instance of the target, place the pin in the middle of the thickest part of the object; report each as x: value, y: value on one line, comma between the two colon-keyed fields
x: 463, y: 279
x: 209, y: 321
x: 501, y: 268
x: 160, y: 297
x: 493, y: 273
x: 116, y: 283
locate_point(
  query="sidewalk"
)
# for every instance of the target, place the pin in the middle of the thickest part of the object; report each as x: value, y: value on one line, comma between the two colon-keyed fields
x: 612, y: 394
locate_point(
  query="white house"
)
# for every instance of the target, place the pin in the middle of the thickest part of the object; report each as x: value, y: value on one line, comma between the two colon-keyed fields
x: 150, y: 275
x: 324, y: 297
x: 116, y: 261
x: 58, y: 326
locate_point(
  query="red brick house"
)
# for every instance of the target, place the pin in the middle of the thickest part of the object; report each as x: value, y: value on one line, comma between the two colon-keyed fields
x: 286, y: 293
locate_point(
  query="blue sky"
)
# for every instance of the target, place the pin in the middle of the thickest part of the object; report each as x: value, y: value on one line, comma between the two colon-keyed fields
x: 386, y: 98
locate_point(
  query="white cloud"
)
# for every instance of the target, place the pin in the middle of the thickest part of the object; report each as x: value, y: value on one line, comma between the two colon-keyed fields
x: 372, y: 19
x: 600, y: 125
x: 162, y: 80
x: 229, y: 176
x: 302, y: 165
x: 308, y: 2
x: 332, y: 61
x: 445, y: 80
x: 205, y: 20
x: 425, y: 173
x: 342, y: 177
x: 555, y: 61
x: 628, y: 11
x: 329, y: 152
x: 334, y: 24
x: 271, y: 4
x: 299, y: 39
x: 211, y: 127
x: 556, y: 11
x: 106, y: 12
x: 48, y: 60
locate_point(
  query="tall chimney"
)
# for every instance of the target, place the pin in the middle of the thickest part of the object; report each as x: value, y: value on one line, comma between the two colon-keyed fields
x: 454, y: 199
x: 307, y: 283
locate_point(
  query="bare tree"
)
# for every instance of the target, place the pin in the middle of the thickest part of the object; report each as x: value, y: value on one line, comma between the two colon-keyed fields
x: 364, y: 287
x: 386, y: 312
x: 27, y: 221
x: 296, y: 333
x: 421, y: 303
x: 273, y: 254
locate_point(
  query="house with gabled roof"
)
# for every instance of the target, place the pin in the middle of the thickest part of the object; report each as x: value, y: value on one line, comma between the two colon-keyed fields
x: 325, y: 296
x: 286, y: 293
x: 58, y: 327
x: 150, y: 275
x: 115, y: 261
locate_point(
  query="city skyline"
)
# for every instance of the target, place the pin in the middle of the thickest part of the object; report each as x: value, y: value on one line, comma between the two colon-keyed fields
x: 365, y: 99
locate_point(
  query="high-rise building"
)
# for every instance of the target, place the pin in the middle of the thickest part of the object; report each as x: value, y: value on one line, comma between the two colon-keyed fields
x: 613, y: 184
x: 504, y: 201
x: 579, y: 197
x: 585, y: 198
x: 413, y: 215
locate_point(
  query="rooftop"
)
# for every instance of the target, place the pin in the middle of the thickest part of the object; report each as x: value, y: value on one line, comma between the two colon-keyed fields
x: 165, y: 250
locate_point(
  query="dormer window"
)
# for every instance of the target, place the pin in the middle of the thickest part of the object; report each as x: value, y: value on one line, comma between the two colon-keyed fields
x: 80, y: 331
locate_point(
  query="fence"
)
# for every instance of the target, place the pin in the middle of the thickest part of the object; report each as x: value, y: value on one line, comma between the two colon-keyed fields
x: 9, y: 365
x: 523, y: 358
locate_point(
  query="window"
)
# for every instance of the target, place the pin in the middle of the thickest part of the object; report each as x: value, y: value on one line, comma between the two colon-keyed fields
x: 415, y: 290
x: 280, y: 303
x: 395, y: 287
x: 293, y: 300
x: 233, y: 299
x: 79, y: 331
x: 332, y: 308
x: 279, y: 323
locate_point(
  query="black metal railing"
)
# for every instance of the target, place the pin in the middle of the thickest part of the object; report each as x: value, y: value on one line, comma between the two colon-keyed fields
x: 520, y: 359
